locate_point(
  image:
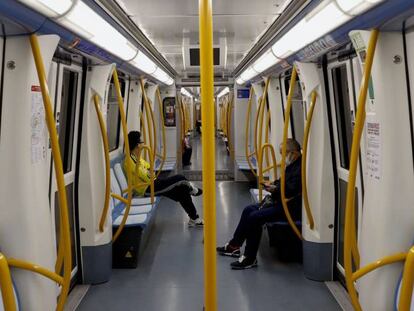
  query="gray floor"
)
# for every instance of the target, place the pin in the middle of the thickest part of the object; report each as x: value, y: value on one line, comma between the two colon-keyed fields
x: 170, y: 272
x: 222, y: 159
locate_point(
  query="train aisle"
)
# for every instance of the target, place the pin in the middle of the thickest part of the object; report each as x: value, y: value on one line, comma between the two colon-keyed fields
x: 170, y: 272
x: 222, y: 159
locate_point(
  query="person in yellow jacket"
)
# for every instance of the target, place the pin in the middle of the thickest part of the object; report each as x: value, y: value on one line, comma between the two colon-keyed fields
x: 175, y: 187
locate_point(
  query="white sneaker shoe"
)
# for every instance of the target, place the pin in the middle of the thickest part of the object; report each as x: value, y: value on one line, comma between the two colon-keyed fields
x: 195, y: 191
x: 199, y: 223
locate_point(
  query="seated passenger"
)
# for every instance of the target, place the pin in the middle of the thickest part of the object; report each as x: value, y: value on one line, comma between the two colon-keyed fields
x: 176, y: 187
x: 254, y: 216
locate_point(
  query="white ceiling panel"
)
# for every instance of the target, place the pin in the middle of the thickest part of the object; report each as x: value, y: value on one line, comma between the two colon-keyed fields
x: 168, y: 24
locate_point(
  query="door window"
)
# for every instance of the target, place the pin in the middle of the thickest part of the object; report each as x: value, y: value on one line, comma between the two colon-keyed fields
x: 66, y: 117
x: 342, y: 113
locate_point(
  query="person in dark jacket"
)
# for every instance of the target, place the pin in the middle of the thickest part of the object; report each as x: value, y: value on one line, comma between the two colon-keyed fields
x: 254, y: 216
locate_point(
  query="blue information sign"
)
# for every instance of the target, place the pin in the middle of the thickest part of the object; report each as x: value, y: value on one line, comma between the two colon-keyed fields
x: 243, y: 93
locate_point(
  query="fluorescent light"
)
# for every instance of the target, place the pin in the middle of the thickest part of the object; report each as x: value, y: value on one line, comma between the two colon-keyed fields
x: 225, y: 91
x: 144, y: 63
x: 325, y: 18
x: 265, y: 61
x: 50, y: 8
x: 85, y: 22
x: 185, y: 92
x: 355, y: 7
x: 161, y: 75
x: 240, y: 81
x: 170, y: 81
x: 248, y: 74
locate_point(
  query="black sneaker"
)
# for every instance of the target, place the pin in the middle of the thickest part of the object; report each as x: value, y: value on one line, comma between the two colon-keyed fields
x: 244, y: 263
x: 228, y: 250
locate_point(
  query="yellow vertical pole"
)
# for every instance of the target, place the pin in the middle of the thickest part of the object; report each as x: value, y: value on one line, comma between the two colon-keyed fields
x: 207, y: 138
x: 57, y: 160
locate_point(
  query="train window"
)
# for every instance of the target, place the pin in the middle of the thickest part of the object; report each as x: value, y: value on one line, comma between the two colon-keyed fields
x: 67, y: 117
x: 113, y: 117
x: 343, y: 113
x: 297, y: 119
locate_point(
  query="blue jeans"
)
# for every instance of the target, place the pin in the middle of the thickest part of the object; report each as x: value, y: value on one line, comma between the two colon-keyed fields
x: 250, y: 226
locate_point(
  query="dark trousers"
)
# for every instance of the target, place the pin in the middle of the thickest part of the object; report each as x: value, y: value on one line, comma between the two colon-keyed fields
x: 250, y: 226
x: 176, y: 188
x: 187, y: 156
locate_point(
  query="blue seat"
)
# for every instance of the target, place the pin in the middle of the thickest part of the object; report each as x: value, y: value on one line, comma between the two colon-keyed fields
x: 243, y: 165
x: 169, y: 165
x: 135, y: 235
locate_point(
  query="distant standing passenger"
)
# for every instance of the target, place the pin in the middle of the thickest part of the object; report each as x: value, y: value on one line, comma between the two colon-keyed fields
x: 176, y: 187
x: 254, y: 216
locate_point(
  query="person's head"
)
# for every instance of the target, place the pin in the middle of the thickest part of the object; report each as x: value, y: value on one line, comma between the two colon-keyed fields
x: 134, y: 139
x: 292, y: 150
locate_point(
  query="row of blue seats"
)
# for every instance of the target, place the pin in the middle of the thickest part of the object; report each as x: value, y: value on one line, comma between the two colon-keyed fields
x: 139, y: 222
x: 243, y: 165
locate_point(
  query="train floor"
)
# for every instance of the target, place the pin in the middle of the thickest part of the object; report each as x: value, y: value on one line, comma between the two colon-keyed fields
x: 222, y: 159
x: 169, y: 276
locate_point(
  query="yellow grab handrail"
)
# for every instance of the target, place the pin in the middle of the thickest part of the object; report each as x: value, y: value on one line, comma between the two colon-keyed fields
x: 260, y: 165
x: 164, y: 149
x: 283, y: 164
x: 261, y: 118
x: 378, y: 264
x: 57, y: 160
x: 208, y: 139
x: 229, y: 117
x: 149, y: 116
x: 6, y: 285
x: 152, y: 176
x: 267, y: 134
x: 247, y: 150
x: 407, y: 282
x: 127, y: 153
x: 256, y: 127
x: 107, y: 162
x: 304, y: 159
x: 26, y: 265
x: 349, y: 235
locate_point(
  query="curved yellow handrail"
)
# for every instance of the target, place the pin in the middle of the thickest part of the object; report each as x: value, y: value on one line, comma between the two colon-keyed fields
x: 267, y: 134
x: 57, y: 160
x: 247, y: 150
x: 350, y: 195
x: 152, y: 176
x: 407, y: 282
x: 304, y: 160
x: 283, y: 164
x: 378, y: 264
x: 261, y: 117
x: 107, y: 162
x: 256, y: 128
x: 6, y: 285
x: 229, y: 132
x: 127, y: 153
x: 164, y: 149
x: 260, y: 167
x: 26, y: 265
x: 150, y: 119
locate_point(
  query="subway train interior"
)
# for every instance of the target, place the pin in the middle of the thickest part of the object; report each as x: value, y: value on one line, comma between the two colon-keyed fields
x: 206, y: 155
